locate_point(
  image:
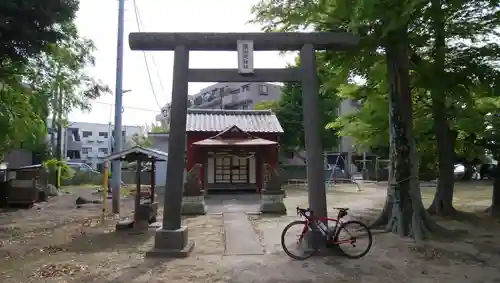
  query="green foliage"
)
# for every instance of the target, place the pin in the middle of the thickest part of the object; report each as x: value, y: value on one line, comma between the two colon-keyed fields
x: 41, y: 58
x: 469, y: 77
x: 272, y: 105
x: 141, y: 140
x: 59, y: 73
x: 159, y: 129
x: 52, y: 166
x: 84, y: 178
x: 28, y: 27
x: 289, y: 112
x: 19, y: 120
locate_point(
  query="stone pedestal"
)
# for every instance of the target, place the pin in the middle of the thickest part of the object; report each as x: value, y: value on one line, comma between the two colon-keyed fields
x: 148, y: 212
x: 194, y: 205
x: 272, y: 203
x: 171, y: 243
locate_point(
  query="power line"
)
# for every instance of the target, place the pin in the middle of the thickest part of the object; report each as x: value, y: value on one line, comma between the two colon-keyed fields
x: 160, y: 80
x: 138, y: 22
x: 126, y: 107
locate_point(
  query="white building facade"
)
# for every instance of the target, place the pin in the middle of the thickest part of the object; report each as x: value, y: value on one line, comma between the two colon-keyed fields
x: 91, y: 142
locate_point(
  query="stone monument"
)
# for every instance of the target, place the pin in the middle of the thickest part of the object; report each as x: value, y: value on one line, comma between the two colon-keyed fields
x: 193, y: 200
x: 272, y: 193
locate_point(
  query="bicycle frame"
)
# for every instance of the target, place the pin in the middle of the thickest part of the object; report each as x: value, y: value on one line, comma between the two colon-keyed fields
x: 315, y: 220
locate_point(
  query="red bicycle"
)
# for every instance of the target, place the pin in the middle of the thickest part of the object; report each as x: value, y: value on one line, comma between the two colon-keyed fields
x: 335, y: 233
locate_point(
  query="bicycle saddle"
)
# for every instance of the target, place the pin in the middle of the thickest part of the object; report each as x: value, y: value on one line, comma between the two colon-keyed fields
x: 341, y: 208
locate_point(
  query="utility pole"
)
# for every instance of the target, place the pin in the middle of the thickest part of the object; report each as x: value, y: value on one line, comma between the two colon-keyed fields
x: 117, y: 168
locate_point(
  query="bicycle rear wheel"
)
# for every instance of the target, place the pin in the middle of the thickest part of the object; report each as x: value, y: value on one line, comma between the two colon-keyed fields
x: 297, y: 232
x: 349, y: 236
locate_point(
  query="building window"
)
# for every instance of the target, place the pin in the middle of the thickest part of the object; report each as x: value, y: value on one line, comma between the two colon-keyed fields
x: 245, y: 87
x: 103, y: 134
x: 86, y: 150
x: 73, y: 154
x: 103, y: 150
x: 263, y: 89
x: 206, y: 96
x: 113, y: 133
x: 86, y: 134
x: 198, y: 100
x: 230, y: 169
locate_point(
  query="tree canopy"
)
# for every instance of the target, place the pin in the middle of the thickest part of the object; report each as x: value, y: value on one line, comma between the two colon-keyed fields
x: 289, y: 112
x: 28, y: 27
x: 445, y: 52
x: 42, y: 69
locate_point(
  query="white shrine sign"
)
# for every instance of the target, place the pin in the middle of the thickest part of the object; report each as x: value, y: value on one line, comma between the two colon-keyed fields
x: 245, y: 56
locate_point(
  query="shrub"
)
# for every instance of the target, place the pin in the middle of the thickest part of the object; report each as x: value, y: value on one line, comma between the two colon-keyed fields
x: 67, y: 172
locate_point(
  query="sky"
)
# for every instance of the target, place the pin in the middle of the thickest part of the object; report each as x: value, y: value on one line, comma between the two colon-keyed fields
x: 98, y: 20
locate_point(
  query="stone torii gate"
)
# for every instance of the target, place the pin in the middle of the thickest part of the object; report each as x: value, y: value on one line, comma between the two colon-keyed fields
x: 172, y: 238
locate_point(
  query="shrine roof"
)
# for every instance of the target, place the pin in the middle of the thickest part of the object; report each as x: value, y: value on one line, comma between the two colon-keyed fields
x: 234, y: 142
x: 135, y: 152
x: 215, y: 120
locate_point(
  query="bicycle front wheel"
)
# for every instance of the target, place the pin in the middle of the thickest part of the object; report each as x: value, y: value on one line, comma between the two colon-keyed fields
x: 294, y: 240
x: 354, y: 239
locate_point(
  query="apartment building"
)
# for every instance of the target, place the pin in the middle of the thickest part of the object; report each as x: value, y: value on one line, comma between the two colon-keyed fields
x: 246, y: 96
x: 231, y: 96
x: 91, y: 142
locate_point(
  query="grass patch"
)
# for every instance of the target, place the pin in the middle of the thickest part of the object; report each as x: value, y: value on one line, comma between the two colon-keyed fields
x: 72, y: 188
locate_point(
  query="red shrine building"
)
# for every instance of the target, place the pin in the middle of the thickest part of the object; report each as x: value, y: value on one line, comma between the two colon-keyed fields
x: 232, y: 146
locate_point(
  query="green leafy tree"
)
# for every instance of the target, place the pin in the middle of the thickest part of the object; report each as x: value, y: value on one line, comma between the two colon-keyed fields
x: 446, y: 68
x: 159, y: 128
x: 28, y: 27
x: 290, y: 114
x: 53, y: 165
x: 384, y: 28
x: 21, y: 123
x: 486, y: 114
x: 272, y: 105
x: 141, y: 140
x: 59, y: 76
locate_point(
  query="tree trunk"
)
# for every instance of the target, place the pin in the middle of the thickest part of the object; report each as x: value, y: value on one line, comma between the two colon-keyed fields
x: 494, y: 209
x: 404, y: 212
x: 59, y: 134
x: 53, y: 126
x: 443, y: 199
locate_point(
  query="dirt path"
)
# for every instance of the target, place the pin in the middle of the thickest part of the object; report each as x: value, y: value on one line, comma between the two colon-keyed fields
x: 34, y: 233
x: 95, y: 253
